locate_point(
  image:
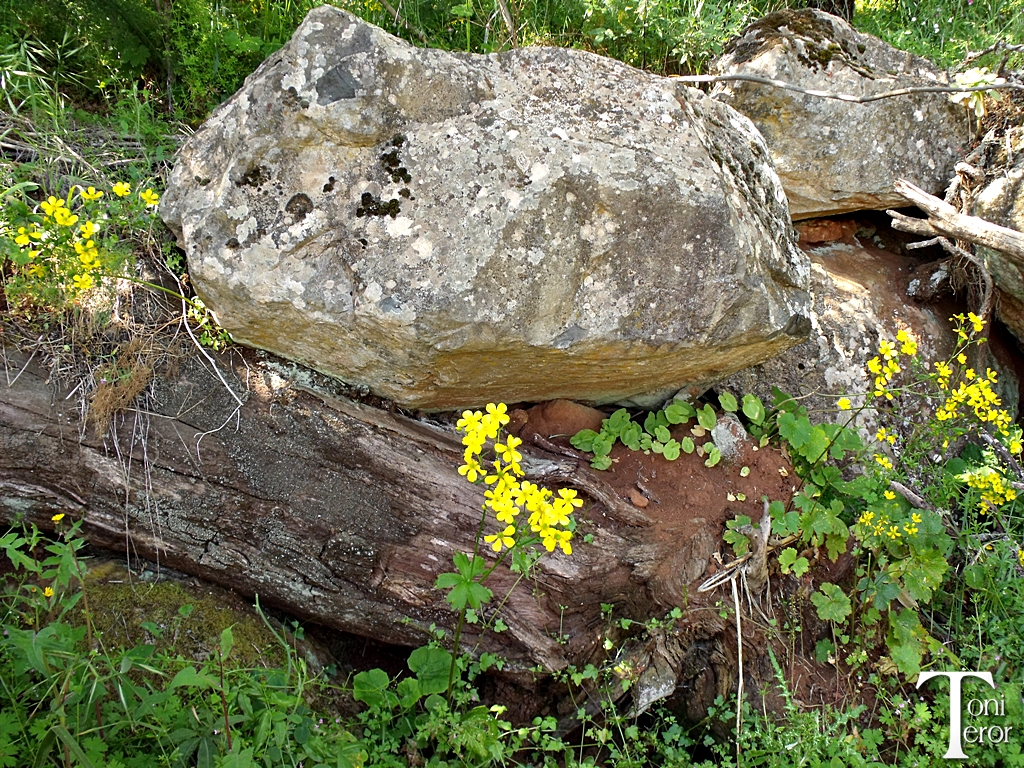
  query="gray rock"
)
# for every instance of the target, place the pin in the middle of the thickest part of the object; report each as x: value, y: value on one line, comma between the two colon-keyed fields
x: 452, y: 229
x: 835, y: 156
x: 1001, y: 201
x: 858, y: 298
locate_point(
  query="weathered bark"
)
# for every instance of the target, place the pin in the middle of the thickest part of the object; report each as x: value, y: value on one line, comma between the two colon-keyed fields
x: 332, y: 510
x: 945, y: 220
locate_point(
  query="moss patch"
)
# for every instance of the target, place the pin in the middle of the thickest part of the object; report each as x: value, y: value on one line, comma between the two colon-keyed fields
x: 130, y: 612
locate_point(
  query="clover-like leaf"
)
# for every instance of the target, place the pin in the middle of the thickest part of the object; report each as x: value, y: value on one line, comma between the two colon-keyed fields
x: 832, y: 603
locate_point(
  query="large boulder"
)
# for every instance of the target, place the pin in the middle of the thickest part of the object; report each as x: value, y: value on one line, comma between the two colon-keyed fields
x: 858, y: 290
x: 1001, y: 201
x: 450, y: 229
x: 837, y: 156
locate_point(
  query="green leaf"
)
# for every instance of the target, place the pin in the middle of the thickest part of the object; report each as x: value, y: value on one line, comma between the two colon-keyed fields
x: 924, y: 573
x: 687, y: 445
x: 602, y: 445
x: 679, y: 412
x: 464, y: 11
x: 706, y: 417
x: 975, y: 576
x: 465, y: 589
x: 662, y: 435
x: 409, y: 692
x: 753, y: 409
x: 786, y: 559
x: 584, y: 440
x: 796, y: 431
x: 714, y: 456
x: 907, y: 657
x: 72, y: 745
x: 728, y: 402
x: 671, y: 451
x: 431, y: 667
x: 601, y: 462
x: 784, y: 402
x: 227, y: 642
x: 740, y: 543
x: 369, y: 687
x: 832, y: 603
x: 616, y: 423
x: 189, y: 677
x: 631, y: 436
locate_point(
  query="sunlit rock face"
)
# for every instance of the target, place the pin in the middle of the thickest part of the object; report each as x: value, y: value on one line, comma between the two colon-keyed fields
x: 453, y: 229
x: 836, y: 156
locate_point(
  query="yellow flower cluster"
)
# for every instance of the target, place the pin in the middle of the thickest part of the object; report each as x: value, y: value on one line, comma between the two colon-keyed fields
x: 974, y: 395
x: 547, y: 516
x: 58, y: 251
x: 994, y: 488
x: 877, y: 524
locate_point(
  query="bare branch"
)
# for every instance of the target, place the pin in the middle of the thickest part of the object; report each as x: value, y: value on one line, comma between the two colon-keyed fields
x: 944, y: 219
x: 696, y: 79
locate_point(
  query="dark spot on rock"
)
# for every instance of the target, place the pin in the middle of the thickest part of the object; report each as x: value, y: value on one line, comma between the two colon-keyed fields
x: 374, y: 206
x: 336, y: 85
x: 202, y: 182
x: 329, y: 186
x: 256, y: 176
x: 861, y: 47
x: 398, y: 140
x: 390, y: 304
x: 233, y: 243
x: 390, y: 159
x: 404, y: 192
x: 363, y: 242
x: 299, y: 206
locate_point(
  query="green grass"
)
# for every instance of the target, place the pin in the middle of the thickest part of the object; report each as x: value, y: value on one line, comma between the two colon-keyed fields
x: 944, y: 31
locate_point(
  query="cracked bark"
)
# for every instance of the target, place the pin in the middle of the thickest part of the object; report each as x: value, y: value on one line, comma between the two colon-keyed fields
x: 329, y: 509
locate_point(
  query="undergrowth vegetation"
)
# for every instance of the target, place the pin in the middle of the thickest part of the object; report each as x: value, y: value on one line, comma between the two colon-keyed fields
x: 96, y: 95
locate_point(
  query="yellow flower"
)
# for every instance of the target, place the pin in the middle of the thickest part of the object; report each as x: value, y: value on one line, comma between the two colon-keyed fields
x: 503, y: 539
x: 150, y: 198
x: 89, y: 229
x: 51, y: 205
x: 889, y: 495
x: 57, y: 518
x: 122, y: 189
x: 866, y: 517
x: 915, y: 517
x: 64, y: 217
x: 961, y: 358
x: 48, y: 592
x: 908, y: 345
x: 92, y: 193
x: 883, y: 461
x: 83, y: 282
x: 508, y: 452
x: 843, y: 403
x: 471, y: 470
x: 881, y: 433
x: 875, y: 365
x: 886, y: 349
x: 976, y: 321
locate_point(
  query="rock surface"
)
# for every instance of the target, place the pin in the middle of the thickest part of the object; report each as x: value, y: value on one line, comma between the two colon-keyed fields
x: 858, y: 298
x: 835, y: 156
x: 451, y: 229
x: 1001, y: 201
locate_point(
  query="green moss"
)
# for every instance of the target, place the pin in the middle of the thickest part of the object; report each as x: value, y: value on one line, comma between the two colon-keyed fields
x: 120, y: 608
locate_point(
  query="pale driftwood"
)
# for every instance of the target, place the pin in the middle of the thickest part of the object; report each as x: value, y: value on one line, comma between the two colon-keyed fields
x: 945, y: 220
x: 847, y: 97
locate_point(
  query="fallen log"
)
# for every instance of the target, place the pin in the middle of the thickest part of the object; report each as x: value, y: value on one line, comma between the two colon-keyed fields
x: 345, y: 514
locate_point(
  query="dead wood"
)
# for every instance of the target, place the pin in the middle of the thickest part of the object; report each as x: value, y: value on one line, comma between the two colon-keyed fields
x: 332, y: 510
x: 945, y: 221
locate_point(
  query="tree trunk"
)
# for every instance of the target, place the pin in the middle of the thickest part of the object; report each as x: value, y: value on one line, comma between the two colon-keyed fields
x: 344, y: 514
